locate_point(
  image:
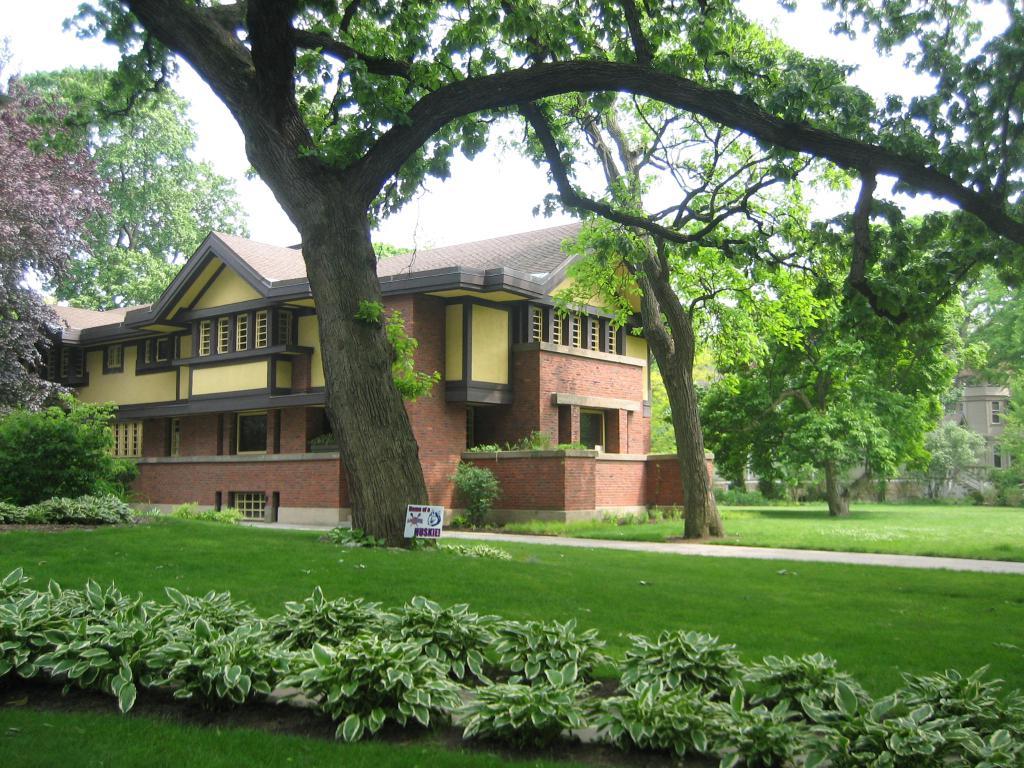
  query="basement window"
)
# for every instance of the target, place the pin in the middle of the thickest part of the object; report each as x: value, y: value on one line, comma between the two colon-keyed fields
x: 252, y: 504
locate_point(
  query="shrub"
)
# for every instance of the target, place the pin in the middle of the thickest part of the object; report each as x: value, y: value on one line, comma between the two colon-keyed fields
x: 454, y: 636
x: 682, y: 659
x: 60, y: 452
x: 215, y: 666
x: 529, y: 649
x: 83, y: 511
x: 678, y: 720
x: 353, y: 537
x: 476, y: 550
x: 739, y: 497
x: 217, y: 609
x: 478, y: 488
x: 12, y: 514
x: 368, y: 680
x: 759, y: 737
x: 810, y: 679
x: 319, y: 620
x: 192, y: 511
x: 527, y: 715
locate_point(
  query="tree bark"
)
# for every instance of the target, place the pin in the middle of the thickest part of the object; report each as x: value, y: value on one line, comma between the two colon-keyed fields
x: 673, y: 348
x: 836, y: 492
x: 375, y: 438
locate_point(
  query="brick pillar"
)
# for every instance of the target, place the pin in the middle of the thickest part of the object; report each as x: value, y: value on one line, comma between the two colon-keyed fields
x: 274, y: 431
x: 616, y: 431
x: 228, y: 443
x: 574, y: 423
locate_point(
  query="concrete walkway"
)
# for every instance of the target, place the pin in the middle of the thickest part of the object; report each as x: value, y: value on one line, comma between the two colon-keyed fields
x: 724, y: 550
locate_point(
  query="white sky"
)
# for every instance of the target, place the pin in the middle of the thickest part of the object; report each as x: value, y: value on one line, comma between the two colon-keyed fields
x: 495, y: 194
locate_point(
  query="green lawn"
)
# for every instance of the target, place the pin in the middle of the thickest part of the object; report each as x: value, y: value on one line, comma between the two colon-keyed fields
x: 988, y: 533
x: 876, y: 621
x: 33, y: 739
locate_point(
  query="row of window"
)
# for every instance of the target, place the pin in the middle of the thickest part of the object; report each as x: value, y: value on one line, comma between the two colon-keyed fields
x: 232, y: 332
x: 577, y: 330
x: 250, y: 435
x: 63, y: 364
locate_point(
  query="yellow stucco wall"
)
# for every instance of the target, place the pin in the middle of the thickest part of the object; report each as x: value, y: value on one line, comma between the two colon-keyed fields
x: 228, y: 288
x: 185, y: 346
x: 309, y: 336
x: 284, y: 373
x: 229, y: 378
x: 453, y: 342
x: 197, y: 285
x: 126, y: 388
x: 183, y: 382
x: 490, y: 345
x: 636, y: 346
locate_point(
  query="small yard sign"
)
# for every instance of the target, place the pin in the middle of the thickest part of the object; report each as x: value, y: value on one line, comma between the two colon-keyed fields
x: 423, y: 522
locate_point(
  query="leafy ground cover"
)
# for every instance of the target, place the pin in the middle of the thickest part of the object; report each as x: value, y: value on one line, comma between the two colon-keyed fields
x: 987, y: 533
x: 877, y: 622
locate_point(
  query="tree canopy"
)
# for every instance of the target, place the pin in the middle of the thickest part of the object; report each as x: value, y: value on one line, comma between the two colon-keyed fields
x: 346, y: 107
x: 162, y: 202
x: 48, y: 196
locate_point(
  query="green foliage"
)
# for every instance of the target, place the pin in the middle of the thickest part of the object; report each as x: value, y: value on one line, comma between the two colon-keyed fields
x: 1010, y: 481
x: 60, y: 451
x: 192, y: 511
x: 680, y: 660
x: 319, y: 620
x: 969, y: 700
x: 368, y: 680
x: 411, y: 383
x: 484, y: 551
x: 478, y: 489
x: 353, y: 537
x: 84, y: 510
x: 161, y: 201
x: 679, y: 720
x: 527, y: 715
x: 531, y: 649
x: 455, y: 637
x: 739, y: 497
x: 759, y: 737
x: 218, y: 610
x: 370, y: 312
x: 952, y: 450
x: 811, y: 678
x: 216, y: 666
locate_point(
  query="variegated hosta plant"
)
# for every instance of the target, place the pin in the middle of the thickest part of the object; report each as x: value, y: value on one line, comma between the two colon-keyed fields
x: 217, y: 667
x: 527, y: 714
x: 528, y: 649
x: 369, y: 680
x: 682, y: 659
x: 809, y: 680
x: 319, y: 620
x: 454, y: 636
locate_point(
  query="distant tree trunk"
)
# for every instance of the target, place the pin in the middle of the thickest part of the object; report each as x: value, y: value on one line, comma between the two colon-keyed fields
x: 367, y: 414
x: 836, y: 492
x: 674, y: 348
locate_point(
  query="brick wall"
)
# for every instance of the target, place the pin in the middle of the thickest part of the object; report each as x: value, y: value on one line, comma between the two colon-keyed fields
x: 665, y: 483
x: 620, y: 483
x: 439, y: 426
x: 200, y: 435
x: 552, y: 481
x: 307, y: 483
x: 154, y: 437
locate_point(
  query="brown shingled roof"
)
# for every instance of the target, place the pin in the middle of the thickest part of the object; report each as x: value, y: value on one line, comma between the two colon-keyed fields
x: 77, y: 318
x: 535, y: 253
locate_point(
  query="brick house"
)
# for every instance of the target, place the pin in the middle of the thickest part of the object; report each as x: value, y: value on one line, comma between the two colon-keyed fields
x: 220, y: 386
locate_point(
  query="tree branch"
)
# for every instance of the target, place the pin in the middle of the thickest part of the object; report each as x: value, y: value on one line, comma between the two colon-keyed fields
x: 375, y: 65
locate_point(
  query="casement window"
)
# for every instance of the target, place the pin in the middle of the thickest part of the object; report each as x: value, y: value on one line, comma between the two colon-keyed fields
x: 65, y: 362
x: 576, y: 332
x: 163, y: 349
x: 284, y: 326
x: 52, y: 364
x: 223, y: 335
x: 113, y: 361
x: 557, y: 329
x: 252, y: 432
x: 252, y: 504
x: 536, y: 324
x: 997, y: 412
x: 205, y: 337
x: 592, y: 428
x: 261, y: 328
x: 174, y: 428
x: 147, y: 352
x: 128, y: 439
x: 594, y: 335
x: 611, y: 340
x: 241, y: 332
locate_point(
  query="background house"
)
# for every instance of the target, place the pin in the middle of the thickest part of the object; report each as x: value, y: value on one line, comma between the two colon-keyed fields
x: 220, y: 383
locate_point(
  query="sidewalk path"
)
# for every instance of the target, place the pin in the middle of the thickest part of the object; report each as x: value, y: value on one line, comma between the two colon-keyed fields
x: 725, y: 550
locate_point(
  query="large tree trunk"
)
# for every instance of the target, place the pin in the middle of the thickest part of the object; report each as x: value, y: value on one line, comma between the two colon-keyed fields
x: 673, y: 348
x: 836, y: 492
x: 375, y: 438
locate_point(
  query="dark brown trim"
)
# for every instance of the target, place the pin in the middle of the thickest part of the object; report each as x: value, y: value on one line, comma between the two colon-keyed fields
x: 227, y: 309
x: 104, y: 351
x: 228, y: 357
x: 478, y: 393
x: 247, y: 400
